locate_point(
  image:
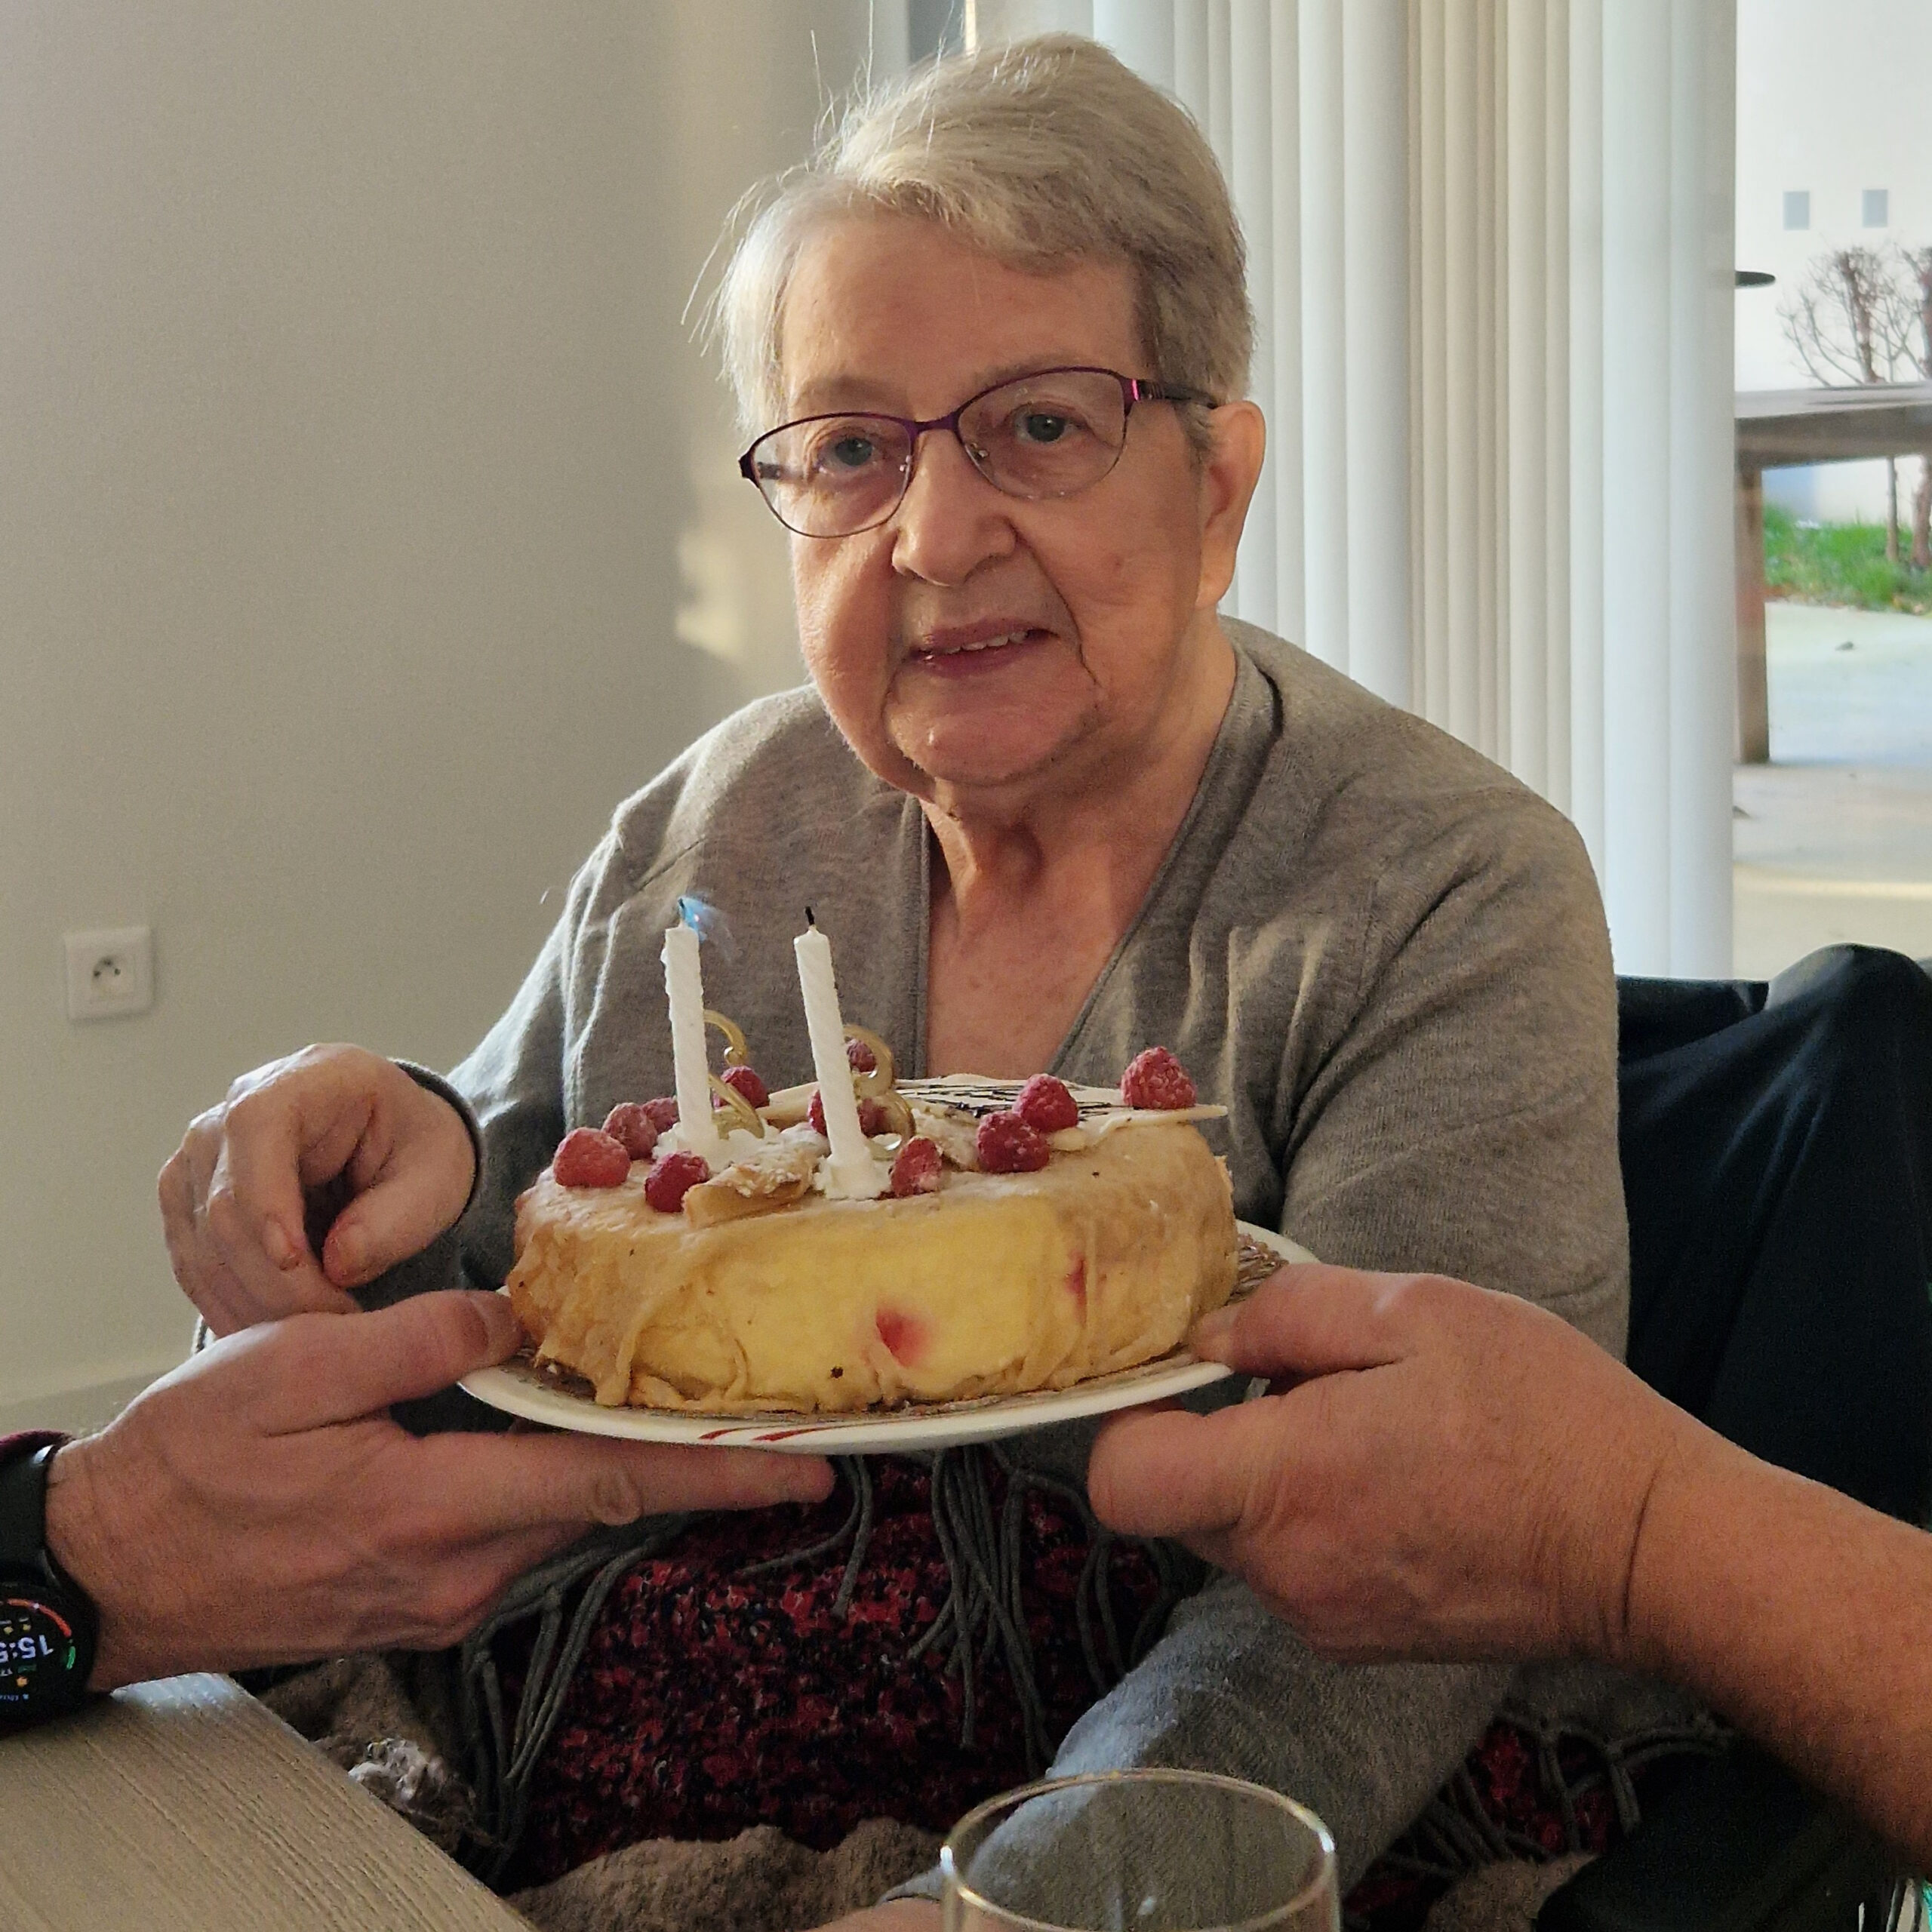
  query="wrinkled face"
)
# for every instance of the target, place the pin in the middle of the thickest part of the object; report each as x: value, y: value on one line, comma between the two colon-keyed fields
x: 978, y: 640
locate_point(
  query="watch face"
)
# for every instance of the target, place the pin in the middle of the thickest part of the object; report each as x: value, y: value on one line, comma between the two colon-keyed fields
x: 39, y: 1651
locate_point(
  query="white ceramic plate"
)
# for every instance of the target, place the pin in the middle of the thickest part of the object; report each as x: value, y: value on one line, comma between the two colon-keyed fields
x: 527, y: 1391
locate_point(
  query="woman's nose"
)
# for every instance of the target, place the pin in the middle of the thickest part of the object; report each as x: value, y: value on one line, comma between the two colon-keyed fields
x: 951, y: 519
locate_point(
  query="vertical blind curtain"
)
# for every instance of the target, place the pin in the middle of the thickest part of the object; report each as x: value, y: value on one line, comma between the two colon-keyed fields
x: 1490, y: 249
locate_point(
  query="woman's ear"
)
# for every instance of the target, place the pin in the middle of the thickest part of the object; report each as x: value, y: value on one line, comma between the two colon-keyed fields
x: 1228, y: 474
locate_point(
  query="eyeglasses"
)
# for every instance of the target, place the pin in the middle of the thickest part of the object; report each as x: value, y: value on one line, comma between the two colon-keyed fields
x: 1054, y: 433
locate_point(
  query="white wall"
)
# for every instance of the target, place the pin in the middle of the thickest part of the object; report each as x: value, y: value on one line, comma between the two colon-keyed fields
x: 1831, y: 100
x: 357, y: 480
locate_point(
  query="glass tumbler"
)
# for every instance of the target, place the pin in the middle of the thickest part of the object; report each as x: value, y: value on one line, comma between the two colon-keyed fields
x: 1145, y: 1850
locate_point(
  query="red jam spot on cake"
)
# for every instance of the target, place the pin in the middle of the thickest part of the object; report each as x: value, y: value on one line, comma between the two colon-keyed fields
x: 872, y: 1116
x: 663, y: 1114
x: 672, y: 1178
x: 915, y: 1168
x: 587, y: 1157
x: 1076, y: 1282
x: 904, y: 1336
x: 860, y: 1058
x: 743, y: 1080
x: 631, y: 1124
x: 1156, y: 1081
x: 1006, y: 1144
x: 1045, y: 1105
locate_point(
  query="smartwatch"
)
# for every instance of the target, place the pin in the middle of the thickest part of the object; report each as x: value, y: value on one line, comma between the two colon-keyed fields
x: 47, y: 1626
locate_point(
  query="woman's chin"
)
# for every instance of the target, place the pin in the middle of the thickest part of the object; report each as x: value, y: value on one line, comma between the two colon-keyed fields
x: 982, y: 730
x: 986, y: 753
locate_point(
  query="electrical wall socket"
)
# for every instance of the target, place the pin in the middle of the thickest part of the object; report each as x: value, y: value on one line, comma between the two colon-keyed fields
x: 109, y: 974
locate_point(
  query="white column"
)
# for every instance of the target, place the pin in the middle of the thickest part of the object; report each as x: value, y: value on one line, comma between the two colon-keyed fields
x: 1703, y: 564
x: 1636, y: 479
x: 1668, y: 615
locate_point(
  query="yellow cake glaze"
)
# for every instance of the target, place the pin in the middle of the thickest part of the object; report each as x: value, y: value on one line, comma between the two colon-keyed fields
x: 997, y: 1285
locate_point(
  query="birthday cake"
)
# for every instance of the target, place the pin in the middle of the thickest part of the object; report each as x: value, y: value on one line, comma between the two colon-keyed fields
x: 979, y: 1238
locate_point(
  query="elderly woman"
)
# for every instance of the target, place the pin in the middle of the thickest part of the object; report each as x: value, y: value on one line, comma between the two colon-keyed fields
x: 1051, y: 807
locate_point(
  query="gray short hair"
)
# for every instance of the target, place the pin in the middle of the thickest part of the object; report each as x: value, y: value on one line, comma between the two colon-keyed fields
x: 1043, y: 152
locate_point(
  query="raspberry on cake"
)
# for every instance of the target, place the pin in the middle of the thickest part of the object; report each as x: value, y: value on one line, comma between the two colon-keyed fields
x: 630, y: 1123
x: 587, y: 1158
x: 1046, y: 1105
x: 916, y: 1167
x: 1001, y: 1259
x: 1155, y: 1078
x: 1006, y: 1144
x: 744, y: 1081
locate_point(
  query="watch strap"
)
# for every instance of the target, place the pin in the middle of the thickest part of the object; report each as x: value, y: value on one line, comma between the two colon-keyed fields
x: 24, y: 1496
x: 28, y: 1569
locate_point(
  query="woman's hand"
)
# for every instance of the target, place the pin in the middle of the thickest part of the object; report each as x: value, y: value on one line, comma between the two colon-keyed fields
x: 258, y: 1505
x: 315, y: 1173
x: 1445, y: 1472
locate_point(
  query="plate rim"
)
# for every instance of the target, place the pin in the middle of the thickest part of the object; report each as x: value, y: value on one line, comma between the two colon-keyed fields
x: 866, y: 1433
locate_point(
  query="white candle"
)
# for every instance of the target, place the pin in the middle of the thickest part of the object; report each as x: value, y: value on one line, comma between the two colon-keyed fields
x: 684, y: 986
x: 854, y: 1174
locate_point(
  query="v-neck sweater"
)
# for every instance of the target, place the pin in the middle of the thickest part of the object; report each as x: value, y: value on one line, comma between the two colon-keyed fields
x: 1385, y: 956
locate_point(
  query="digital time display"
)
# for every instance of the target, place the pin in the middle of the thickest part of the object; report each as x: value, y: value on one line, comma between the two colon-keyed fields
x: 37, y: 1650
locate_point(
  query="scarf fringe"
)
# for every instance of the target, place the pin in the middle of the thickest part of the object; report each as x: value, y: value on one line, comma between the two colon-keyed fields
x: 983, y: 1620
x: 1455, y: 1835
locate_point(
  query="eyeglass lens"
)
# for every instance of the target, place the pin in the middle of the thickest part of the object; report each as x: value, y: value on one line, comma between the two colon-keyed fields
x: 1045, y: 435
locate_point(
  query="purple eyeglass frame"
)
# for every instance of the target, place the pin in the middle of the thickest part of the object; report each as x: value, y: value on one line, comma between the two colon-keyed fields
x: 1133, y: 389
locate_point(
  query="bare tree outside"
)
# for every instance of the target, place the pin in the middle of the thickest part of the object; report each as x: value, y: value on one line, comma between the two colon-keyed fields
x: 1918, y: 265
x: 1862, y: 316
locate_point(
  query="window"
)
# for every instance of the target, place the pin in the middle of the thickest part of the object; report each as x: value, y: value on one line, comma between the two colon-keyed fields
x: 1798, y: 208
x: 1878, y: 208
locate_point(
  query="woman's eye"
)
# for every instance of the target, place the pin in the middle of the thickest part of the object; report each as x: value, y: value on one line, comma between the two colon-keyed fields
x: 845, y: 451
x: 1042, y: 426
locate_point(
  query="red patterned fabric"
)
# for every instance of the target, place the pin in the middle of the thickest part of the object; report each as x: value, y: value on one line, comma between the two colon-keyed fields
x: 709, y: 1702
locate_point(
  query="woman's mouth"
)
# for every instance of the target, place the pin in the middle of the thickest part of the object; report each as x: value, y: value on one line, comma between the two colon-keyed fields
x: 975, y: 649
